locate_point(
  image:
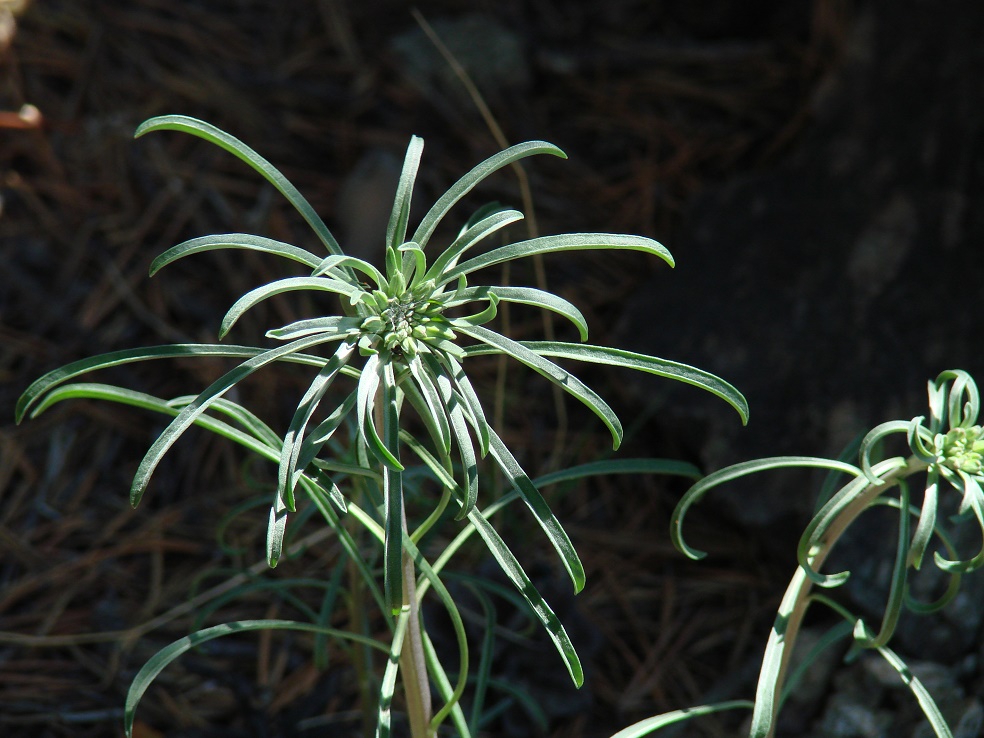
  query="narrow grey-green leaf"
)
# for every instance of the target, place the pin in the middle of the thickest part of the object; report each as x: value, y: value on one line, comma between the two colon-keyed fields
x: 736, y: 471
x: 396, y: 228
x: 468, y: 238
x: 514, y: 572
x: 219, y: 387
x: 472, y: 402
x: 368, y: 385
x: 159, y: 661
x: 464, y: 185
x: 233, y: 241
x: 236, y: 147
x: 561, y: 242
x: 540, y: 509
x: 289, y: 469
x: 251, y: 298
x: 276, y: 527
x: 393, y: 512
x: 469, y: 464
x: 329, y: 324
x: 526, y: 296
x: 333, y: 261
x: 650, y: 724
x: 432, y: 398
x: 559, y: 376
x: 640, y: 362
x: 52, y: 379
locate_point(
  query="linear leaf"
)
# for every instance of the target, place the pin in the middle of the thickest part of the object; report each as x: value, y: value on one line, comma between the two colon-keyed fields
x: 472, y: 403
x: 368, y: 386
x: 159, y: 661
x: 46, y: 382
x: 328, y: 324
x: 561, y: 242
x: 233, y: 241
x: 540, y: 509
x: 432, y: 398
x: 396, y: 229
x: 289, y: 469
x: 393, y: 512
x: 236, y: 147
x: 526, y: 296
x: 469, y: 464
x: 333, y: 261
x: 559, y: 376
x: 640, y: 362
x: 736, y: 471
x: 464, y: 185
x: 468, y: 238
x: 514, y: 572
x: 251, y: 298
x: 650, y: 724
x: 188, y: 415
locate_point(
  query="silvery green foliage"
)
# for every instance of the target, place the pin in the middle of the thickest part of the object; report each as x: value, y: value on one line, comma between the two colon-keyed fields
x: 946, y: 453
x: 404, y: 332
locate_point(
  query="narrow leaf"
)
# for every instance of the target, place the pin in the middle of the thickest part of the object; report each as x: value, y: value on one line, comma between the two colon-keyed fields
x: 289, y: 469
x: 540, y: 509
x: 526, y: 296
x: 187, y: 416
x: 251, y: 298
x: 468, y: 238
x: 396, y: 229
x: 561, y: 242
x: 561, y: 377
x: 639, y: 362
x: 464, y: 185
x: 236, y: 147
x: 233, y: 241
x: 166, y: 655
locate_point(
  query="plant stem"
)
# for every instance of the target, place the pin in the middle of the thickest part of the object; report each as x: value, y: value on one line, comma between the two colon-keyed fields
x: 415, y: 682
x: 792, y: 610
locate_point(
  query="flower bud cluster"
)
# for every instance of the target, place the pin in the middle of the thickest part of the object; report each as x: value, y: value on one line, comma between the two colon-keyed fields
x: 402, y: 322
x: 962, y: 449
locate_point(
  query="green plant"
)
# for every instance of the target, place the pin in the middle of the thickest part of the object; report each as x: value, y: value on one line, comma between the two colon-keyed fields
x: 402, y: 337
x: 948, y: 451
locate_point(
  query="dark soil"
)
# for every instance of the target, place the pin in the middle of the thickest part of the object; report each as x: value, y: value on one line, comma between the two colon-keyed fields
x: 674, y: 115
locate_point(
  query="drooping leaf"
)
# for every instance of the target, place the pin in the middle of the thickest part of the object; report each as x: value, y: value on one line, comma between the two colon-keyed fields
x: 233, y: 241
x: 464, y: 185
x: 552, y: 244
x: 236, y: 147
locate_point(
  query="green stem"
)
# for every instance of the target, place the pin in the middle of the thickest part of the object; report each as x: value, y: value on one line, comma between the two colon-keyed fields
x: 782, y: 638
x: 412, y: 662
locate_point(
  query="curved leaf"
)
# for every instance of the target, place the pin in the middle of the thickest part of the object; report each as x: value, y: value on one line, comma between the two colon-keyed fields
x: 396, y: 229
x: 46, y: 382
x: 289, y: 469
x: 251, y: 298
x: 736, y: 471
x: 233, y: 241
x: 329, y: 324
x: 525, y: 296
x: 236, y: 147
x: 166, y: 655
x: 559, y: 376
x: 540, y: 509
x: 550, y: 244
x: 215, y: 390
x: 640, y: 362
x: 468, y: 238
x: 464, y: 185
x: 647, y: 726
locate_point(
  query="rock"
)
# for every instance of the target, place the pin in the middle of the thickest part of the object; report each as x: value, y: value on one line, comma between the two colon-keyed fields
x: 831, y: 288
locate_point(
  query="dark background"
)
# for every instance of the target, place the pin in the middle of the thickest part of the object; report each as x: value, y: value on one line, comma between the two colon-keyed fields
x: 814, y: 167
